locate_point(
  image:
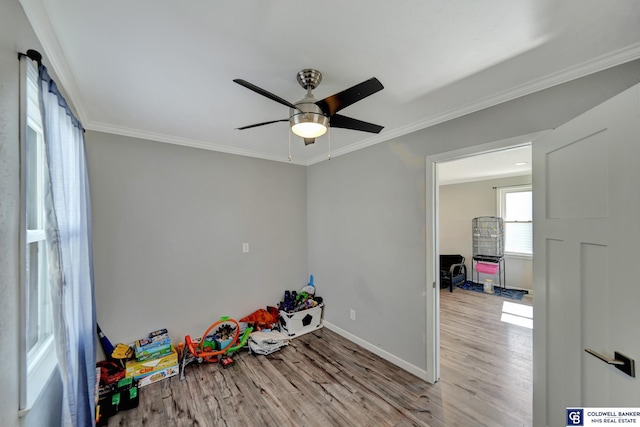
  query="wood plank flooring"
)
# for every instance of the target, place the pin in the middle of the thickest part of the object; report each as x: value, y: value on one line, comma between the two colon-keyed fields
x: 322, y: 379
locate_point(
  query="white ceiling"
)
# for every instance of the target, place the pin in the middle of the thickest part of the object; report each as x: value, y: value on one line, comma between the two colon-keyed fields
x: 495, y: 164
x: 163, y: 70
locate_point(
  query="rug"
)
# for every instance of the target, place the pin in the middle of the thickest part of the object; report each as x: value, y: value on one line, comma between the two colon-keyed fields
x: 515, y: 294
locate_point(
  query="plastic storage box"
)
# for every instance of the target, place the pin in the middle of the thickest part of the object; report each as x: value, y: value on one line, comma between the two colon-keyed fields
x: 486, y: 268
x: 301, y: 322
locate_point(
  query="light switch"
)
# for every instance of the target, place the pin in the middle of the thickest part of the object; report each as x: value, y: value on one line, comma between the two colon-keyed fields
x: 245, y: 248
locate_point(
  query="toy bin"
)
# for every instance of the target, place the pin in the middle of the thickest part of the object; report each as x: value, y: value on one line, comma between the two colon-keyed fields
x: 301, y: 322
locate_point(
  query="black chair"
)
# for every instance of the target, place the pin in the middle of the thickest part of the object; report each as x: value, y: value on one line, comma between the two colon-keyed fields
x: 452, y: 271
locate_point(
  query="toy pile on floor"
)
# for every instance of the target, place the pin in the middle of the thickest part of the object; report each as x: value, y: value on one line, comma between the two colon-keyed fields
x: 301, y: 311
x: 297, y: 313
x: 303, y: 299
x: 265, y: 339
x: 218, y: 343
x: 263, y: 319
x: 114, y: 397
x: 149, y: 360
x: 153, y: 358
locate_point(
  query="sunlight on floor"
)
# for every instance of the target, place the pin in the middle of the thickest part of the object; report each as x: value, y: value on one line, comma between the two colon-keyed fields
x: 517, y: 314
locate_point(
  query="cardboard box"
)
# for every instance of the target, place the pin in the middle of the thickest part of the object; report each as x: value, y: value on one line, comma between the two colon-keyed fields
x: 159, y: 375
x: 154, y: 353
x: 156, y: 342
x: 301, y: 322
x: 138, y: 369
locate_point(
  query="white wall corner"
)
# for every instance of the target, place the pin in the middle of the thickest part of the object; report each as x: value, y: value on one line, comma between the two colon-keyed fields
x: 409, y: 367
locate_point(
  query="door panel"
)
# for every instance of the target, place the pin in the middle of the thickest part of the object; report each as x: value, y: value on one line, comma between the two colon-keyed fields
x: 595, y: 299
x: 577, y: 184
x: 587, y: 246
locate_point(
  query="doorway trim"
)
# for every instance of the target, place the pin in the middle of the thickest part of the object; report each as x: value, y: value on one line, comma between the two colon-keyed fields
x: 432, y: 334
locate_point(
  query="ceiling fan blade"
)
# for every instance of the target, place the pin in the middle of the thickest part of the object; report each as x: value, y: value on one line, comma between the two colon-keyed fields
x: 263, y: 92
x: 262, y: 124
x: 344, y: 122
x: 340, y: 100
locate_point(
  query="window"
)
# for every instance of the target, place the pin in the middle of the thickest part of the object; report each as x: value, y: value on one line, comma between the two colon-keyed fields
x: 37, y: 357
x: 515, y: 206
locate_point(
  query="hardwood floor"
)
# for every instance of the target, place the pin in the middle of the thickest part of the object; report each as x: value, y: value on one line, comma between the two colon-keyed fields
x: 322, y: 379
x: 486, y: 364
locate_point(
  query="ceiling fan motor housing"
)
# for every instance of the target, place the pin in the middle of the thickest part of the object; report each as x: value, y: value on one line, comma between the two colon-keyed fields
x: 307, y: 112
x: 309, y: 78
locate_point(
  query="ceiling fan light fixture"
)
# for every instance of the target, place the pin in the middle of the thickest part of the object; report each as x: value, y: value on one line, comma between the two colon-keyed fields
x: 309, y: 118
x: 309, y: 125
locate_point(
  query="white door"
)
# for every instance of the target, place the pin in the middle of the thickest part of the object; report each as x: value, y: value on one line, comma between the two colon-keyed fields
x: 586, y: 181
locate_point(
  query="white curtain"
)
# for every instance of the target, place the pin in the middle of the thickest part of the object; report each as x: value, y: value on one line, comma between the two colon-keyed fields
x: 68, y: 212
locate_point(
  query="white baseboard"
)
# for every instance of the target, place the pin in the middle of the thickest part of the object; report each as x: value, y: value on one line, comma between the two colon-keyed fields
x: 420, y: 373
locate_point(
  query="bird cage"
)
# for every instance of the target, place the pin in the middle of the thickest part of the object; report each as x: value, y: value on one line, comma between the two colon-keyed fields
x: 488, y: 237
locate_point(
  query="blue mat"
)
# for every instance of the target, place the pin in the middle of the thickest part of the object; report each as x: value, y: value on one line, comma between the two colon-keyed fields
x: 515, y: 294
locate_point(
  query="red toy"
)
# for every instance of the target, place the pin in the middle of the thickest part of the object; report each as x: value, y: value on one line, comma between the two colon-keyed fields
x: 263, y: 319
x: 217, y: 344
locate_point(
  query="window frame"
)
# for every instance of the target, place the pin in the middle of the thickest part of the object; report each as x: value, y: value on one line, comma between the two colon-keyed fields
x: 502, y: 206
x: 38, y: 363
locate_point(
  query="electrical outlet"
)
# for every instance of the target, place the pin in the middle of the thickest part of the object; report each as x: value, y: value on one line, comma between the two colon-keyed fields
x: 352, y: 314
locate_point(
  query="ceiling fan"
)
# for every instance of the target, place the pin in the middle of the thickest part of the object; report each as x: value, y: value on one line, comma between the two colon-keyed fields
x: 309, y: 117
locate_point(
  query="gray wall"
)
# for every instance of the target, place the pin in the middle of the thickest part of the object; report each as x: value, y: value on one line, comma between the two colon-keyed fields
x: 367, y: 210
x: 459, y: 204
x: 169, y: 223
x: 16, y: 36
x: 367, y: 246
x: 168, y: 227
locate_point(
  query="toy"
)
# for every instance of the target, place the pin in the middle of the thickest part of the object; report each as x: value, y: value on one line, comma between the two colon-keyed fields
x: 218, y: 343
x: 155, y: 344
x: 107, y: 347
x: 262, y: 319
x: 110, y: 372
x: 122, y: 351
x: 310, y: 289
x: 121, y: 354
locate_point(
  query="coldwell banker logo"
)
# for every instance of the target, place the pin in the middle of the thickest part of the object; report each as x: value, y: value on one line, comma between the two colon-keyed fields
x: 575, y: 417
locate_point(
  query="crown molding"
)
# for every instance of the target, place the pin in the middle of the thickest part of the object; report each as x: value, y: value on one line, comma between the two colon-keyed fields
x: 186, y: 142
x: 595, y: 65
x: 37, y: 16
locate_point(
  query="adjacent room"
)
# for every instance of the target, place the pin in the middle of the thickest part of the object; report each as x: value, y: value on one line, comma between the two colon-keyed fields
x: 486, y: 315
x: 238, y: 214
x: 495, y: 184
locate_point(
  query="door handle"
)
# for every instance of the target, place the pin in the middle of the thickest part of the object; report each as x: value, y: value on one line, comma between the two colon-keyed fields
x: 620, y: 361
x: 604, y: 358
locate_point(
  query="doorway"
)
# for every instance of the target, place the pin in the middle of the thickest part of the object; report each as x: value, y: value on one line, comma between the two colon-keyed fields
x: 488, y: 185
x: 443, y: 228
